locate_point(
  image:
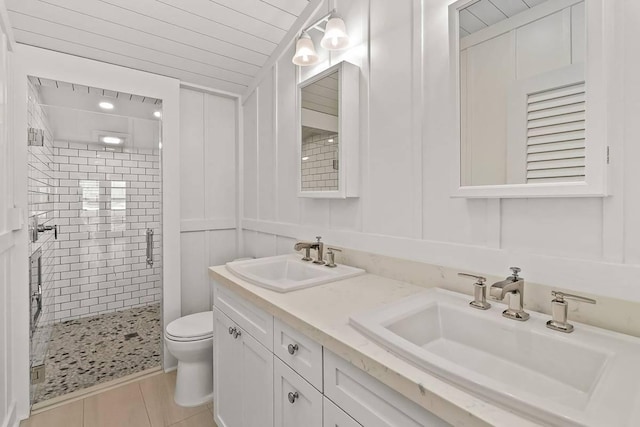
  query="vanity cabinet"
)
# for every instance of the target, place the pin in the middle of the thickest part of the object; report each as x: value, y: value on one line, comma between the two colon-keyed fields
x: 267, y: 373
x: 297, y: 403
x: 243, y: 376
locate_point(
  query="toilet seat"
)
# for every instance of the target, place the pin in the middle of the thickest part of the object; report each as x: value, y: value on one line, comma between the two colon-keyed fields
x: 194, y: 327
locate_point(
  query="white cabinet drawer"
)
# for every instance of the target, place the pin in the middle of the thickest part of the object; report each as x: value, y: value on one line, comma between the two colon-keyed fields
x: 299, y: 352
x: 297, y: 403
x: 252, y: 319
x: 370, y: 402
x: 336, y: 417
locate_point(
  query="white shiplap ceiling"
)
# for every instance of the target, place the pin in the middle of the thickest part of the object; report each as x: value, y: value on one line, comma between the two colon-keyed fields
x: 485, y: 13
x: 216, y: 43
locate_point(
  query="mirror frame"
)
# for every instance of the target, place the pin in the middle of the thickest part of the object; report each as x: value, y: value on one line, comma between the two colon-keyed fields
x: 348, y: 131
x: 596, y: 151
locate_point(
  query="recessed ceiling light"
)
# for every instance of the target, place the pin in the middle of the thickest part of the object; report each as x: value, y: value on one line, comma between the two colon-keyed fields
x: 106, y: 105
x: 157, y: 114
x: 111, y: 140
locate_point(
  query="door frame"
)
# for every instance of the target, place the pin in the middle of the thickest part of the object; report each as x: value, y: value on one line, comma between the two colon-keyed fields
x: 52, y: 65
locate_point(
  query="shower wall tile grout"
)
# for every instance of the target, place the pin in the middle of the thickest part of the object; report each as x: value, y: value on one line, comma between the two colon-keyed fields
x: 108, y: 199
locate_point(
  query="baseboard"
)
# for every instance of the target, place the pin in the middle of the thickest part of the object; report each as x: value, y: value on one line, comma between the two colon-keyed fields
x: 10, y: 419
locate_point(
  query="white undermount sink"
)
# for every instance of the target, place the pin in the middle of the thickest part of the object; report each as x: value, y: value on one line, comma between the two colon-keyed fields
x: 286, y: 273
x: 590, y: 377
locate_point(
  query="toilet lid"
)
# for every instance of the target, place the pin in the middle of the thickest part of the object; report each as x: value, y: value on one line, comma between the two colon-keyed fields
x: 194, y: 326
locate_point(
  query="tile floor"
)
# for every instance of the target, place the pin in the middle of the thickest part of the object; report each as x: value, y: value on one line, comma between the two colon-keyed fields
x: 144, y: 403
x: 97, y: 349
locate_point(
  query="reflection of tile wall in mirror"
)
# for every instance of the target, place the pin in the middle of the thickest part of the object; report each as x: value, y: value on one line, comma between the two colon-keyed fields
x: 319, y: 161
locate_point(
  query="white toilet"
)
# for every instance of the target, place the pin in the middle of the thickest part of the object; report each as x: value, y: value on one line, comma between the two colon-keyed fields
x: 190, y: 340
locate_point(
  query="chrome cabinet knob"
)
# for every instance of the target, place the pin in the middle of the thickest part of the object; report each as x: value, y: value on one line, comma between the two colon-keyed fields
x: 237, y: 333
x: 231, y: 330
x: 292, y: 348
x: 293, y: 396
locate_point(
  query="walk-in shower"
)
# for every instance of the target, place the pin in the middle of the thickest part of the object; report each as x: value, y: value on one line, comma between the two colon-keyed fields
x: 95, y: 236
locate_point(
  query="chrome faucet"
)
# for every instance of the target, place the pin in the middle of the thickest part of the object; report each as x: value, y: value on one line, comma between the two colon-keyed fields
x: 318, y: 246
x: 514, y: 286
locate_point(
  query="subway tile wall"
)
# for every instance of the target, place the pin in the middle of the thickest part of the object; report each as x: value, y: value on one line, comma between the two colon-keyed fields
x: 319, y: 153
x: 108, y: 198
x: 42, y: 197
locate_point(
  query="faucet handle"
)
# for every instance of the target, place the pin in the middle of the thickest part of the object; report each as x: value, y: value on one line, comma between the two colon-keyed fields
x: 515, y: 271
x: 318, y: 238
x: 559, y: 311
x: 480, y: 280
x: 561, y: 296
x: 479, y: 292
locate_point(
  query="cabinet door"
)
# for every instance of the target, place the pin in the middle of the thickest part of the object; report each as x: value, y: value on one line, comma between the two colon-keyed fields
x: 336, y: 417
x: 297, y: 403
x: 256, y: 375
x: 227, y: 366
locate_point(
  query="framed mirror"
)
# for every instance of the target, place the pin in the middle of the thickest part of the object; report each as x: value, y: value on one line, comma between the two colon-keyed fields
x: 328, y: 133
x: 529, y: 90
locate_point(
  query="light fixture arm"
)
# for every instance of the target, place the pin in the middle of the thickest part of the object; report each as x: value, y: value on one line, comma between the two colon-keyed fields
x: 316, y: 24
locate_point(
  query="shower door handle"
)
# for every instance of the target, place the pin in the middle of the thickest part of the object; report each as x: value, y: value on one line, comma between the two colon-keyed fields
x: 149, y: 247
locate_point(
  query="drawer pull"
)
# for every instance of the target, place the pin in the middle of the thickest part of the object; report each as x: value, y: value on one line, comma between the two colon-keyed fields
x: 293, y: 395
x: 292, y: 348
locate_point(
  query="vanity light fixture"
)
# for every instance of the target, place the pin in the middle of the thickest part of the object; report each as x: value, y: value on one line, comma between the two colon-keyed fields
x: 335, y: 38
x: 305, y: 158
x: 335, y: 34
x: 157, y: 114
x: 305, y: 51
x: 114, y: 140
x: 106, y: 105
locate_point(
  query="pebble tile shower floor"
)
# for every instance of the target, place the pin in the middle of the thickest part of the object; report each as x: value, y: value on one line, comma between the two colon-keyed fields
x: 94, y: 350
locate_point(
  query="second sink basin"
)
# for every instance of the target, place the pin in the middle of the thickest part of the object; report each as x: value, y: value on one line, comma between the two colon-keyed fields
x: 286, y: 273
x: 589, y: 377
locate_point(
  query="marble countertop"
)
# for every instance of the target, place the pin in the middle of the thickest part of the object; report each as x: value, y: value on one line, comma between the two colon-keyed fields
x: 323, y: 312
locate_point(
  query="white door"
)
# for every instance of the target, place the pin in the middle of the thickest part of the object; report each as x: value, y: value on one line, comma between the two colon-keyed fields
x: 256, y: 375
x: 335, y: 417
x: 297, y: 403
x: 227, y: 371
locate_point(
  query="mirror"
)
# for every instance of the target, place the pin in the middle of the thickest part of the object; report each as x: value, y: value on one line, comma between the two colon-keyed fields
x: 521, y: 68
x: 328, y: 133
x: 320, y: 134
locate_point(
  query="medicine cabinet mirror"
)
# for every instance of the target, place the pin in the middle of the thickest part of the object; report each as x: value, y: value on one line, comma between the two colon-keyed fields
x: 328, y: 133
x: 529, y: 96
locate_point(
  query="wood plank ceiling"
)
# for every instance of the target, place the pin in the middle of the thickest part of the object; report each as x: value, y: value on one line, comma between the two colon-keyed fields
x: 484, y: 13
x: 216, y: 43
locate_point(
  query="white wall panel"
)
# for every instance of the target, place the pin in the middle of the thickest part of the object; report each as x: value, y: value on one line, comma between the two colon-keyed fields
x: 267, y: 149
x: 191, y: 149
x: 288, y: 203
x: 407, y: 156
x: 220, y: 157
x: 209, y: 188
x: 195, y: 282
x: 390, y: 143
x: 250, y: 159
x: 531, y: 226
